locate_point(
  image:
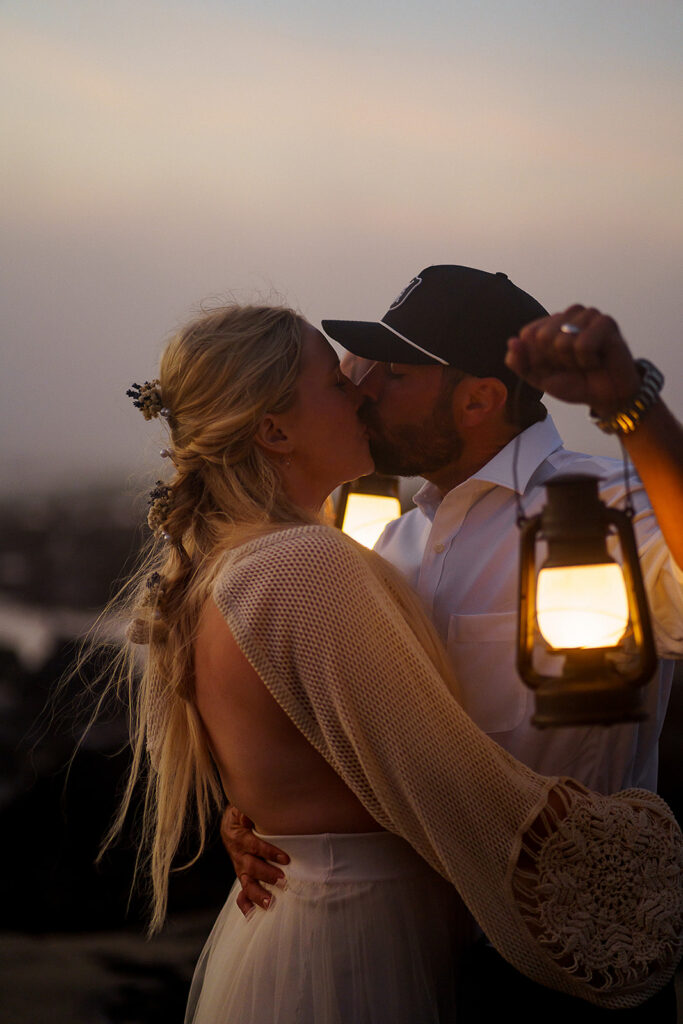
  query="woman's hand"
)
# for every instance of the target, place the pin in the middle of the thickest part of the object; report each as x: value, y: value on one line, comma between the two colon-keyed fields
x: 250, y: 856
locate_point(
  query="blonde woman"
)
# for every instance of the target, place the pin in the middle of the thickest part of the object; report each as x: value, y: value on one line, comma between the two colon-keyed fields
x: 294, y: 672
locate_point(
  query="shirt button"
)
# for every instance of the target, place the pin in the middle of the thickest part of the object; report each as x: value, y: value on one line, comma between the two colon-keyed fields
x: 439, y: 548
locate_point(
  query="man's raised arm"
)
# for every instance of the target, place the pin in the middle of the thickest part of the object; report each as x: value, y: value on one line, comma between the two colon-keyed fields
x: 580, y: 356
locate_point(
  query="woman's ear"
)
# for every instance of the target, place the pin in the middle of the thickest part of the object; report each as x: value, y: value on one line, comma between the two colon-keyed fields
x: 271, y: 436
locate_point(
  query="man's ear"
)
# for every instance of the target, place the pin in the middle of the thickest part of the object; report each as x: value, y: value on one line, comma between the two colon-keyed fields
x: 483, y: 396
x: 271, y: 436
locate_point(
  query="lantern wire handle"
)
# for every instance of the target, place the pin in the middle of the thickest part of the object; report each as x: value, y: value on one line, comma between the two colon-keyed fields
x: 521, y: 515
x: 628, y: 501
x: 516, y: 395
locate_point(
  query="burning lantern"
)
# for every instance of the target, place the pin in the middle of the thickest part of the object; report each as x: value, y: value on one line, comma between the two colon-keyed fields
x: 584, y: 610
x: 365, y: 506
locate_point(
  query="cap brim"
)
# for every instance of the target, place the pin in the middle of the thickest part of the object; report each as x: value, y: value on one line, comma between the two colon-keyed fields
x: 371, y: 339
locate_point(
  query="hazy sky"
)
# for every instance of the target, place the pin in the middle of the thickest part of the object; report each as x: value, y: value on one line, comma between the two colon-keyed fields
x: 159, y: 154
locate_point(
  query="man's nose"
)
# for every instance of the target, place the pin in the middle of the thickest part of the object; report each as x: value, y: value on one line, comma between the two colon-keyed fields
x: 371, y: 384
x: 354, y: 394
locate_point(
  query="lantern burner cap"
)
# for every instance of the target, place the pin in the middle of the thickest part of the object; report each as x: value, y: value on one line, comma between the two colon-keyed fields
x: 587, y: 703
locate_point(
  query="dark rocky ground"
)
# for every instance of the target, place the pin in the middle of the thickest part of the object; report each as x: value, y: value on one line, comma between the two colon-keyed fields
x: 110, y: 977
x: 72, y: 944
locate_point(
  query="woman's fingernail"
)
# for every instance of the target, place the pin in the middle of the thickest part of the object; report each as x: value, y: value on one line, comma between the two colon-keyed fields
x: 281, y: 883
x: 266, y: 902
x: 282, y: 858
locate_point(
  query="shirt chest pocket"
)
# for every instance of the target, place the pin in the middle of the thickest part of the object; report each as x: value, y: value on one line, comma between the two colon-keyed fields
x: 482, y: 649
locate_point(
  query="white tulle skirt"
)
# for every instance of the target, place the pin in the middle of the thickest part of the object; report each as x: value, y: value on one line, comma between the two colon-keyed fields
x: 365, y: 933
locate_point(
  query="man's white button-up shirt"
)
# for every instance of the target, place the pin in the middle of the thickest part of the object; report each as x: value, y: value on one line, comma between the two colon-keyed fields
x: 461, y: 554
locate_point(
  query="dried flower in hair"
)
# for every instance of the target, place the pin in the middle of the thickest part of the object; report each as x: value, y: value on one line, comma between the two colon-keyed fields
x: 154, y: 585
x: 147, y: 398
x: 148, y: 624
x: 160, y: 505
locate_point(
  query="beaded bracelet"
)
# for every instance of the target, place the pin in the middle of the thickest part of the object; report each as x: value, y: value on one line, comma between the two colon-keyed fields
x: 626, y: 420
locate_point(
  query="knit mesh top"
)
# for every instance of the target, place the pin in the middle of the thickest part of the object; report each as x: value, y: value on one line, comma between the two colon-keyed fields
x: 578, y: 891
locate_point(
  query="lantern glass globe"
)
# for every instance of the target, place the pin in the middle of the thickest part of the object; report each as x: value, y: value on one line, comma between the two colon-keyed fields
x: 582, y: 606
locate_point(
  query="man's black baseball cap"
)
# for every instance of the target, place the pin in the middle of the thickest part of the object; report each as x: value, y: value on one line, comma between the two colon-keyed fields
x: 448, y: 315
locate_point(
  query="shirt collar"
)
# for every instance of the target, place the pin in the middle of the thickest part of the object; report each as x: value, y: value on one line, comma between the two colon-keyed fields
x: 533, y: 445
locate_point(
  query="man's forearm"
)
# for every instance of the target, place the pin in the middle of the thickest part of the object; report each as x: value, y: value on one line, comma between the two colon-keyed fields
x: 656, y: 450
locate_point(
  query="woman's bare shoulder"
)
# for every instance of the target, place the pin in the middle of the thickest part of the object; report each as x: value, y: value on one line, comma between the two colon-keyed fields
x: 217, y: 655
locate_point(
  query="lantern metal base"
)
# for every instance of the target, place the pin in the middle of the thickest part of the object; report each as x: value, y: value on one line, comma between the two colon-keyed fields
x: 586, y: 704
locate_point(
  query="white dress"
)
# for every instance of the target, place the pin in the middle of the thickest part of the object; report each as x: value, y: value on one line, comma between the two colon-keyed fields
x: 365, y: 933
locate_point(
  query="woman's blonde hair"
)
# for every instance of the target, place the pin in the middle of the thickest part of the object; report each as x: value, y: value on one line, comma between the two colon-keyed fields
x: 219, y: 377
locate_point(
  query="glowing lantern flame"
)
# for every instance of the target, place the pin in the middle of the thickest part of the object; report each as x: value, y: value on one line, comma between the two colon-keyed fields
x: 582, y: 606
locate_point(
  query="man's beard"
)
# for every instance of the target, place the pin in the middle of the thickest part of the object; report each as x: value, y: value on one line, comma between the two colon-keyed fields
x: 413, y: 450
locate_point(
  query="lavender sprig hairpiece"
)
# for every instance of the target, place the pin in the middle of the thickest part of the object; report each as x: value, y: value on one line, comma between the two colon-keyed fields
x: 147, y: 398
x: 160, y: 506
x: 145, y: 626
x: 153, y: 582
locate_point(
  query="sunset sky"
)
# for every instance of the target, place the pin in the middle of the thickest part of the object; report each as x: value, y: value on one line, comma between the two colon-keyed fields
x: 156, y: 155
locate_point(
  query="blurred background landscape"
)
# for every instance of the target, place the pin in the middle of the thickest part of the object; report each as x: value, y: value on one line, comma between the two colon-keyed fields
x: 72, y: 943
x: 157, y: 156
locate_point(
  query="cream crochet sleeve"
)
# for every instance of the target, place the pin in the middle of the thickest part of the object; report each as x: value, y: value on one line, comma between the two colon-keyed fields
x: 578, y: 891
